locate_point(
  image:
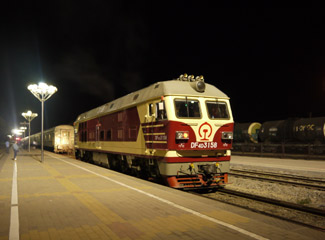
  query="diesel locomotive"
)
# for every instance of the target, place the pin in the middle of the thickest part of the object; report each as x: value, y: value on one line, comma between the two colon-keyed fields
x: 179, y: 131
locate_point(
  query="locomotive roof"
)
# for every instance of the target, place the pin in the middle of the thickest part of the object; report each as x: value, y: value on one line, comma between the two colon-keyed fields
x: 154, y: 91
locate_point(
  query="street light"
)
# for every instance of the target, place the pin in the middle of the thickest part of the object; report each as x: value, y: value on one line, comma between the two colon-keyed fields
x: 16, y: 131
x: 29, y: 116
x: 42, y: 92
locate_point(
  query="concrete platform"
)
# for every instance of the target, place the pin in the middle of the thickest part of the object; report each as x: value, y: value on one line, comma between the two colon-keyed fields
x: 315, y: 168
x: 63, y: 198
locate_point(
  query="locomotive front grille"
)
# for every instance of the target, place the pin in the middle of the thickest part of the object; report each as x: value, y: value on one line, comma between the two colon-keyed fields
x: 197, y: 181
x: 189, y: 182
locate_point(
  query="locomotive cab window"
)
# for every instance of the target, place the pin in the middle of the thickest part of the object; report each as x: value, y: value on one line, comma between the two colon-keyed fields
x: 187, y: 108
x: 217, y: 110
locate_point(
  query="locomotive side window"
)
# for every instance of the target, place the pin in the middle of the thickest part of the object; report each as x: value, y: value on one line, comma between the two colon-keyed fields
x: 83, y: 131
x: 85, y: 136
x: 217, y: 110
x: 109, y: 135
x: 187, y: 108
x: 150, y: 109
x: 161, y: 112
x: 102, y: 136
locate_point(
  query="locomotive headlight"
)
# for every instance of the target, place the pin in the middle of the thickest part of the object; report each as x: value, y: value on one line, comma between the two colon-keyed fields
x: 200, y: 86
x: 227, y: 136
x: 182, y: 135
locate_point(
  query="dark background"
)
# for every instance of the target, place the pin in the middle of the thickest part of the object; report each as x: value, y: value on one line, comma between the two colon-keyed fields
x: 269, y: 61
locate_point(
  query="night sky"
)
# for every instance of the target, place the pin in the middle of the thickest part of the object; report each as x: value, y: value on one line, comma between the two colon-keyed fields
x: 269, y: 61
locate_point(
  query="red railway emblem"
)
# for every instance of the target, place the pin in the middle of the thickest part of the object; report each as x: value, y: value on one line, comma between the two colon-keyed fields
x: 206, y: 130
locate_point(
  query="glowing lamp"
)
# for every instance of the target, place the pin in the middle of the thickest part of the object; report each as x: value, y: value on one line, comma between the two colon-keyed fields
x: 42, y: 92
x: 182, y: 135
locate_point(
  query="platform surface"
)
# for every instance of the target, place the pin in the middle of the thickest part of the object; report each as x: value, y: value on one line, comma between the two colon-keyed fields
x: 63, y: 198
x: 302, y: 167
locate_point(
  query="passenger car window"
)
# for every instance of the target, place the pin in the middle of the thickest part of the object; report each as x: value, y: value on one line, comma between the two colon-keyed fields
x: 187, y: 108
x: 217, y: 110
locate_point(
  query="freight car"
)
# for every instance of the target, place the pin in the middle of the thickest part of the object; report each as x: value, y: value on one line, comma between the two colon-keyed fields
x: 178, y: 130
x: 310, y: 130
x: 301, y: 136
x: 59, y: 139
x: 247, y: 132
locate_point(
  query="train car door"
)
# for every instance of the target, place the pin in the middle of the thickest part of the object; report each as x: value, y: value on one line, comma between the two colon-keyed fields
x: 150, y: 119
x: 156, y: 113
x: 65, y: 136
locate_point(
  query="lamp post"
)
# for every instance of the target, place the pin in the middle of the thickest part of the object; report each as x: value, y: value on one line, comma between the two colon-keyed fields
x: 42, y: 92
x: 29, y: 116
x: 23, y: 129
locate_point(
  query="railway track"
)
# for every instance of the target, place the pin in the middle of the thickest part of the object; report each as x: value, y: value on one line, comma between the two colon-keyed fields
x: 307, y: 216
x: 276, y: 202
x: 312, y: 183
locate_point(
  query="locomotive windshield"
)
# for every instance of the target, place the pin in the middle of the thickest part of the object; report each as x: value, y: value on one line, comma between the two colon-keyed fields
x: 217, y: 110
x: 187, y: 108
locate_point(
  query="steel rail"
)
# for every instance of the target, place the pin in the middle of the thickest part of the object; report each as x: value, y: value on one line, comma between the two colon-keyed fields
x: 272, y: 202
x: 294, y: 206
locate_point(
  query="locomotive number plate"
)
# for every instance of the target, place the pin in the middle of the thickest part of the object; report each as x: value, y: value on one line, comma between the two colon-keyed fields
x: 201, y: 145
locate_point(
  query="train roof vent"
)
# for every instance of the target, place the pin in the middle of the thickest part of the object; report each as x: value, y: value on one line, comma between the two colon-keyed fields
x: 135, y: 97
